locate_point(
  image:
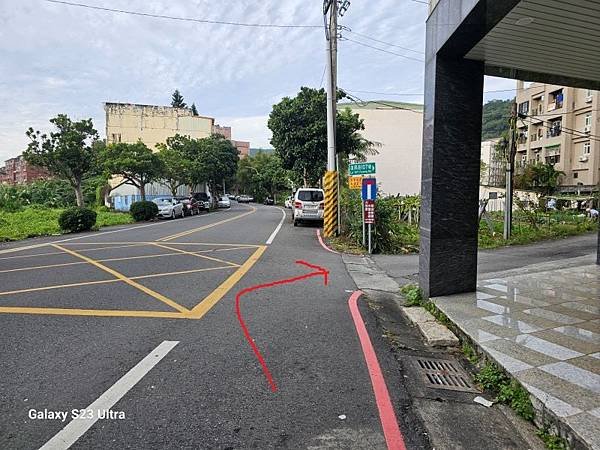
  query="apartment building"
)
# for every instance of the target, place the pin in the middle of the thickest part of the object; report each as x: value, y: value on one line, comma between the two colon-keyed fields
x: 18, y: 171
x: 560, y: 127
x: 242, y: 146
x: 493, y: 171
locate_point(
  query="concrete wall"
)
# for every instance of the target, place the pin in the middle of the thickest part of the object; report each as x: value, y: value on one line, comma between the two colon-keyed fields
x: 152, y: 124
x: 399, y: 132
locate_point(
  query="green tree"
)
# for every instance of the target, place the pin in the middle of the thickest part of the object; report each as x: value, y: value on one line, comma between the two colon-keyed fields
x: 299, y: 127
x: 177, y: 166
x: 262, y: 175
x: 541, y: 178
x: 177, y: 100
x: 194, y: 110
x: 68, y: 153
x: 215, y: 160
x: 136, y: 163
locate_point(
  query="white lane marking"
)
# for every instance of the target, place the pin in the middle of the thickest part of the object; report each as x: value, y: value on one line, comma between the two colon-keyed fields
x: 274, y: 233
x: 100, y: 233
x: 77, y: 427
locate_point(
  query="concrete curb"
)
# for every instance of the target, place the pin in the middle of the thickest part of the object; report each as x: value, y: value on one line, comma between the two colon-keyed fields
x: 436, y: 334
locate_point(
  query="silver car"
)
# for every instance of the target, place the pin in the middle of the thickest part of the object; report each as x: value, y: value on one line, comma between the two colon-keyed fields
x: 169, y: 207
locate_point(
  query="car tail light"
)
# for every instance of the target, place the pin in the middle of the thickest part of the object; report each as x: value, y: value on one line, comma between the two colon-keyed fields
x: 298, y: 205
x: 322, y: 205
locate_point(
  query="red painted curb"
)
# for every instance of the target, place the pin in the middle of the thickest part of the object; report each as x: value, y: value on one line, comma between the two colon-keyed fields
x: 323, y: 243
x: 389, y: 423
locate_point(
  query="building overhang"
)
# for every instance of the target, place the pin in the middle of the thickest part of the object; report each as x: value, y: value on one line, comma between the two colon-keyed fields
x: 548, y: 41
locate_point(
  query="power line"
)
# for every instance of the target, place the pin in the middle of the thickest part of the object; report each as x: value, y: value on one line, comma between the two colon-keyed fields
x: 574, y: 133
x: 184, y: 19
x: 382, y: 50
x: 421, y: 1
x: 360, y: 102
x: 380, y: 41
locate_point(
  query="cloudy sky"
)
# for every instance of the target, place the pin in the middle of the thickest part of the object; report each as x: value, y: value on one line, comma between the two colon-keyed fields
x: 56, y: 58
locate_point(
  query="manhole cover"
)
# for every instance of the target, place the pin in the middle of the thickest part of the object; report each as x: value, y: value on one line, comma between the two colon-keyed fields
x: 444, y: 374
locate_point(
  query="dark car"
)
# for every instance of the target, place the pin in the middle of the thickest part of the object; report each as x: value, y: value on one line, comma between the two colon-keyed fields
x: 203, y: 200
x: 191, y: 206
x: 269, y: 201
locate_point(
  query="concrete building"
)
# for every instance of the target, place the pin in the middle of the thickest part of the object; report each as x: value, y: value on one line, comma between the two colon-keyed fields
x: 561, y: 128
x: 126, y: 122
x: 397, y: 130
x: 493, y: 173
x: 465, y: 40
x: 242, y: 146
x: 18, y: 171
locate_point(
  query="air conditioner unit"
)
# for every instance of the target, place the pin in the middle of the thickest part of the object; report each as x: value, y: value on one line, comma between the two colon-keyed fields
x: 587, y: 129
x: 583, y: 158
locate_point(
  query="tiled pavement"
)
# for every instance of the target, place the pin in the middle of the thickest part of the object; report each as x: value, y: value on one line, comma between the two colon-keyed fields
x: 544, y: 328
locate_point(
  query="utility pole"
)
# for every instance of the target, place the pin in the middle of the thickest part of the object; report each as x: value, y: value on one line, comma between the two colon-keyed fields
x: 330, y: 216
x: 511, y: 151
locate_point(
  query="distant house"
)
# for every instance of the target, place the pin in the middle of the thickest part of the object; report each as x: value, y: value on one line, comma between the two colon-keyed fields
x: 18, y: 171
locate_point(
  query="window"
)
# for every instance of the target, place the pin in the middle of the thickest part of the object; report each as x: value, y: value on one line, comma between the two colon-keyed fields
x: 553, y: 154
x: 588, y: 96
x: 587, y: 148
x: 310, y: 196
x: 524, y: 107
x: 116, y: 138
x: 575, y: 174
x: 554, y: 128
x: 588, y: 123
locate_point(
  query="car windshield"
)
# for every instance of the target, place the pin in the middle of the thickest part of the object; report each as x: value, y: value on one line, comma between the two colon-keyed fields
x: 163, y: 201
x: 224, y: 199
x: 310, y: 196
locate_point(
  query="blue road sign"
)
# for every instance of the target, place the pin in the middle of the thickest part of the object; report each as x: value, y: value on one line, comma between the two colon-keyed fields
x: 369, y: 189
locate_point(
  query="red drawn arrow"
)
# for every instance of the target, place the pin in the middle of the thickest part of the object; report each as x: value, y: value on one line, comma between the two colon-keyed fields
x: 319, y: 271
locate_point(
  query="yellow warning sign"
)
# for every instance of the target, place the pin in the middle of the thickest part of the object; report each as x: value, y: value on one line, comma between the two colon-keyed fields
x: 355, y: 182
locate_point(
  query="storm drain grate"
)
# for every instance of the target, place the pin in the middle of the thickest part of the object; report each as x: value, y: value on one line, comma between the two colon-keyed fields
x: 444, y: 374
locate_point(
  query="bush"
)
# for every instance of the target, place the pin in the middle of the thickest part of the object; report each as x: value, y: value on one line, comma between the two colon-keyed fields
x: 143, y: 210
x: 77, y: 219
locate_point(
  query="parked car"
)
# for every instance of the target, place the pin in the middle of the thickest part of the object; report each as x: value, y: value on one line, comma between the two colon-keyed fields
x: 224, y: 202
x: 191, y: 207
x: 289, y: 202
x: 203, y: 199
x: 269, y: 200
x: 244, y: 199
x: 169, y: 207
x: 231, y: 196
x: 309, y: 205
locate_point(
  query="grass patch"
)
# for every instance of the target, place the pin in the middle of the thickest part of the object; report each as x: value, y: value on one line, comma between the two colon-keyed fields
x: 469, y: 353
x: 507, y: 390
x: 343, y: 244
x: 412, y: 294
x: 35, y: 221
x: 552, y: 441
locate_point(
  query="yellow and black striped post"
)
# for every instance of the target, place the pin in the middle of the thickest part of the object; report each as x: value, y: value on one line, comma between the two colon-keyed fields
x: 331, y: 207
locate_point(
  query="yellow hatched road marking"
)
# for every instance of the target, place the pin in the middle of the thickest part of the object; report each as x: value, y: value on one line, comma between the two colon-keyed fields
x: 112, y: 280
x: 212, y: 299
x: 204, y: 227
x: 91, y: 312
x: 62, y: 253
x: 184, y: 252
x: 127, y: 280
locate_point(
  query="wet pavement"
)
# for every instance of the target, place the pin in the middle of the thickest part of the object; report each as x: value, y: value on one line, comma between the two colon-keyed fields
x: 543, y: 328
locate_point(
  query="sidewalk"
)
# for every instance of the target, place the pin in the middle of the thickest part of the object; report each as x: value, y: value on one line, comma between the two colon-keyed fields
x: 543, y: 328
x: 541, y: 323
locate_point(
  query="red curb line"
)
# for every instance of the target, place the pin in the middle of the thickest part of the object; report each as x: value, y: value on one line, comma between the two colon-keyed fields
x: 323, y: 243
x: 389, y: 423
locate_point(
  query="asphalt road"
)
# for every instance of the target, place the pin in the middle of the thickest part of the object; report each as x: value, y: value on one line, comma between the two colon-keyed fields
x: 405, y: 268
x: 141, y: 320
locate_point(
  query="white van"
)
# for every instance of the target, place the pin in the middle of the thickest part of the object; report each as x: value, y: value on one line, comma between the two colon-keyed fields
x: 309, y: 205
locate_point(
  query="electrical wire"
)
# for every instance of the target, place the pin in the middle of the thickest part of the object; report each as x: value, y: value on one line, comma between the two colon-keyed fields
x: 349, y: 30
x: 574, y: 133
x: 185, y: 19
x: 381, y: 49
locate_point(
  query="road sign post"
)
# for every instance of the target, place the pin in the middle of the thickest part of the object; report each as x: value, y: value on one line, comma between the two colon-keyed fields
x: 366, y: 168
x: 369, y: 194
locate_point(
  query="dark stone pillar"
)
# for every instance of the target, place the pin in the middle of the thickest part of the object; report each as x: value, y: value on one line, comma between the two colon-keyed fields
x: 450, y: 175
